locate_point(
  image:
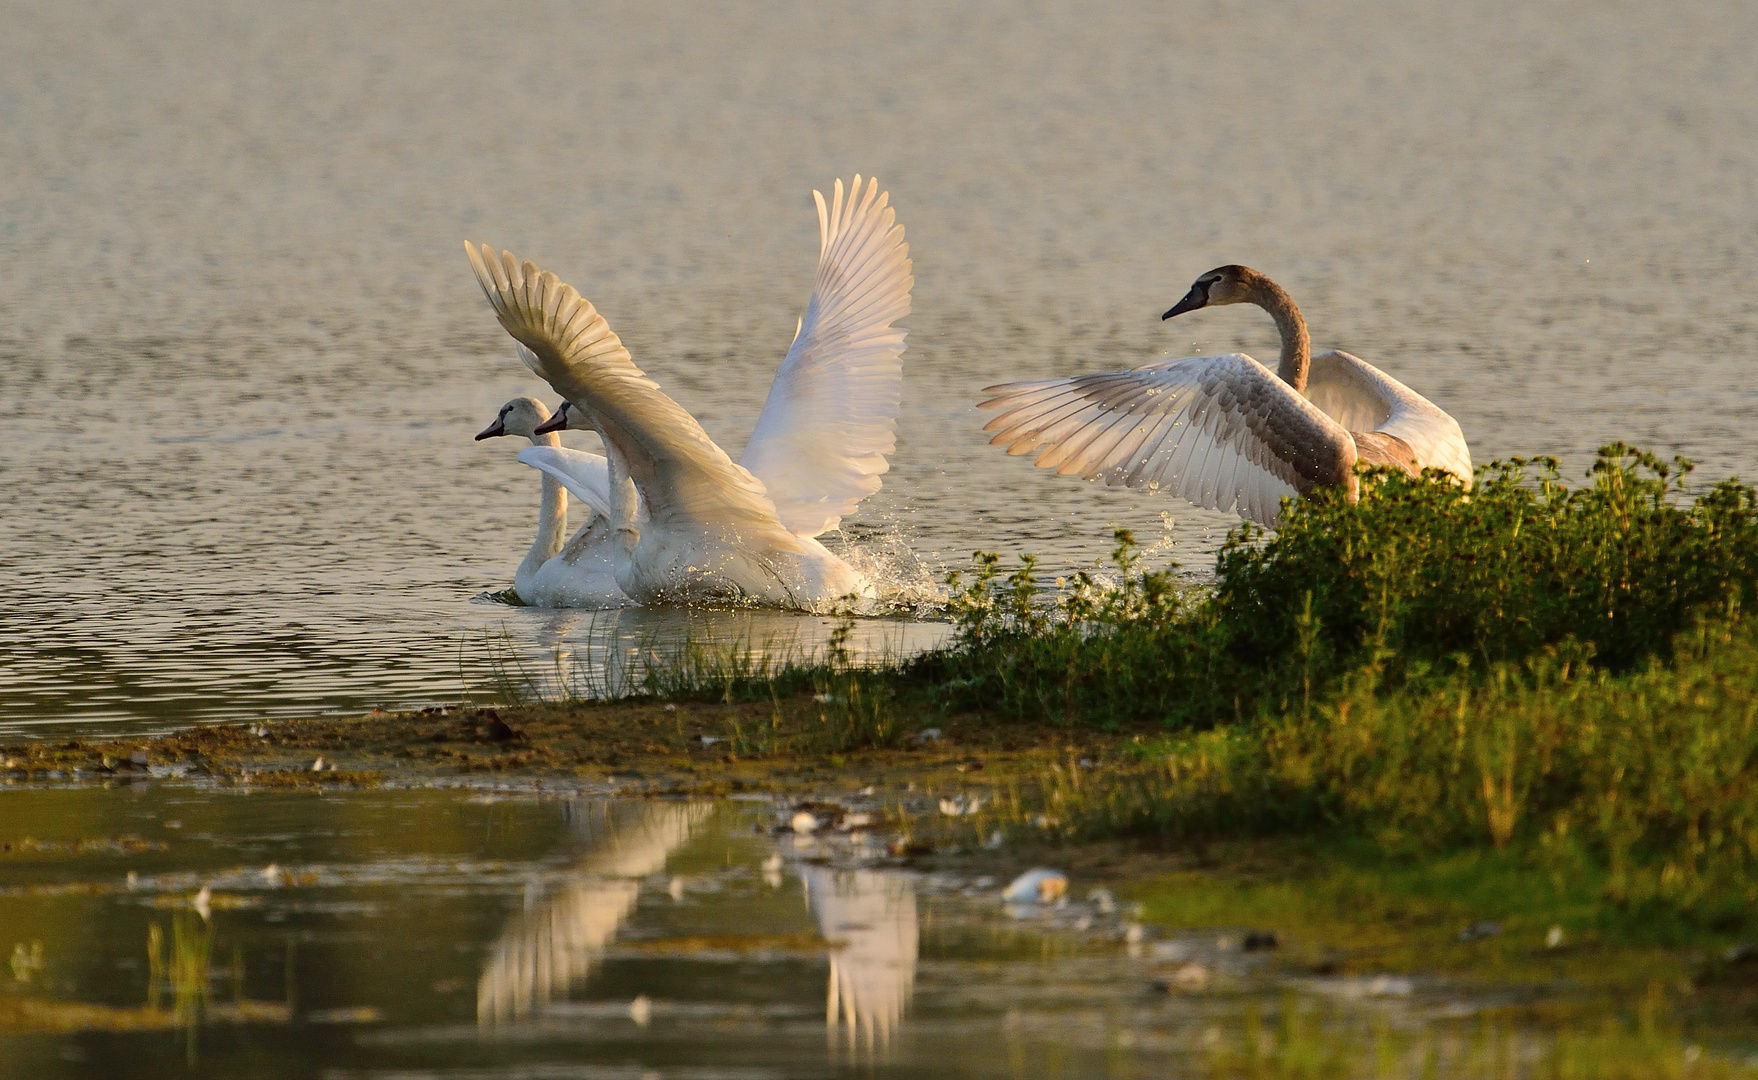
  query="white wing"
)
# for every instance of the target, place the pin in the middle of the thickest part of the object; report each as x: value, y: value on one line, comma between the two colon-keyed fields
x: 1361, y: 397
x: 684, y: 478
x: 820, y: 443
x: 584, y: 474
x: 1221, y: 431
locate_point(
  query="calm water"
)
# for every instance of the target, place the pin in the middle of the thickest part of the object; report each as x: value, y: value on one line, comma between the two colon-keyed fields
x: 434, y: 934
x: 242, y: 356
x: 458, y: 936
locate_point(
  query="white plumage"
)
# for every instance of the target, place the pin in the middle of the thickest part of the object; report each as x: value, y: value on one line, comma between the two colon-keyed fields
x: 873, y: 971
x: 552, y: 947
x: 580, y: 572
x: 713, y: 529
x: 821, y: 441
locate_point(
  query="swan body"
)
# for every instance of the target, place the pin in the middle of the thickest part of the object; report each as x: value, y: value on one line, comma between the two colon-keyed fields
x: 1225, y: 432
x: 693, y: 565
x: 580, y: 572
x: 687, y: 524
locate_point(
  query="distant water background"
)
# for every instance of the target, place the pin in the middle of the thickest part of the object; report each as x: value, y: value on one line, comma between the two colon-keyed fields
x: 242, y: 355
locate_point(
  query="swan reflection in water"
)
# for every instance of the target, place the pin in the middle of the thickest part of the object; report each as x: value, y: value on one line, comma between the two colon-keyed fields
x: 872, y: 916
x: 553, y: 944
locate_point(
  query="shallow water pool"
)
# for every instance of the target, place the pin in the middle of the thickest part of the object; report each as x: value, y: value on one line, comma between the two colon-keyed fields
x: 159, y: 930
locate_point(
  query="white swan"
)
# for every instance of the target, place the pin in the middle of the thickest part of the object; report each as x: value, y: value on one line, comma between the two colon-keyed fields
x: 718, y: 531
x: 1224, y: 431
x: 581, y: 572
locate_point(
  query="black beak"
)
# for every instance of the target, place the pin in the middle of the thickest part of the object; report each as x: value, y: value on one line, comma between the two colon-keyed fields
x: 489, y: 432
x: 555, y: 423
x: 1197, y: 297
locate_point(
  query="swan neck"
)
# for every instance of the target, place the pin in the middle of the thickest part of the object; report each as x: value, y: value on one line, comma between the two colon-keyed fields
x: 552, y: 516
x: 1296, y: 344
x: 623, y: 499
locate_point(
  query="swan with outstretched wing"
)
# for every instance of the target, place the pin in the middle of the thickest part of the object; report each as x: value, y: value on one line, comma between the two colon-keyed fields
x: 713, y: 529
x: 1225, y: 432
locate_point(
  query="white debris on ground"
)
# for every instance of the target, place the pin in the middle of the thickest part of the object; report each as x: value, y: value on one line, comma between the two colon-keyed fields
x: 961, y: 805
x: 1040, y: 886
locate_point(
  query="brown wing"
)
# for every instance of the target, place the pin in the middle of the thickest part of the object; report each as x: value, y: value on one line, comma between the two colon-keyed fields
x: 1221, y: 431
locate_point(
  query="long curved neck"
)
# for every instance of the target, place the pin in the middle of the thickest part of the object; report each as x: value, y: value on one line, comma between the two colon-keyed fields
x: 552, y: 517
x: 623, y: 496
x: 1296, y: 345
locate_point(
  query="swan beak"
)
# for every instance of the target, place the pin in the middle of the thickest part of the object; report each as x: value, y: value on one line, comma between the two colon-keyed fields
x: 1193, y: 299
x: 489, y: 432
x: 558, y: 422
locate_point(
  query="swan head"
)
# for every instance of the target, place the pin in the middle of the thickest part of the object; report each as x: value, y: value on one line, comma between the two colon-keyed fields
x: 520, y: 416
x: 1223, y: 285
x: 566, y: 416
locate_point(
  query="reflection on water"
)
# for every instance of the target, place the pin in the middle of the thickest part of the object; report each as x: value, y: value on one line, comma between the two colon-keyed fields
x: 548, y: 949
x: 341, y: 936
x: 587, y: 654
x: 871, y: 919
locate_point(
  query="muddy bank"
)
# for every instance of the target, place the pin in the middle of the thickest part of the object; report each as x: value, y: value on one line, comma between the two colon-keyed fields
x: 627, y: 747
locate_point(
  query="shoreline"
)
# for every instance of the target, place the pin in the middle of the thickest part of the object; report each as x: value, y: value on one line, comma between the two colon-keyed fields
x: 1335, y: 915
x: 633, y: 747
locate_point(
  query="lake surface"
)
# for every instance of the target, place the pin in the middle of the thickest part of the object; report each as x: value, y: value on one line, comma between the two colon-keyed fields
x: 166, y: 931
x: 242, y: 356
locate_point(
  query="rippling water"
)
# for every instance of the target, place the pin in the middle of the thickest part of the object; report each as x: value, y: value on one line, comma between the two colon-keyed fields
x: 242, y: 355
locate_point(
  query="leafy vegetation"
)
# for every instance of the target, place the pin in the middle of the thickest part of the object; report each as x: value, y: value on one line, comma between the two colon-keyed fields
x: 1645, y: 782
x: 1524, y: 667
x: 1419, y: 579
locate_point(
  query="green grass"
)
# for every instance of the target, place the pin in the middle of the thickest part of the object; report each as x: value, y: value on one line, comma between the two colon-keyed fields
x: 1565, y: 676
x: 1648, y: 779
x: 822, y: 702
x: 1305, y: 1043
x: 1418, y: 579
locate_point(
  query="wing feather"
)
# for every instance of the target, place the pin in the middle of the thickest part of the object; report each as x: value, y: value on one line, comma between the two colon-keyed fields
x: 1196, y: 473
x: 1219, y: 431
x: 1361, y: 397
x: 683, y: 477
x: 585, y: 474
x: 821, y: 442
x: 1024, y: 424
x: 1105, y: 439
